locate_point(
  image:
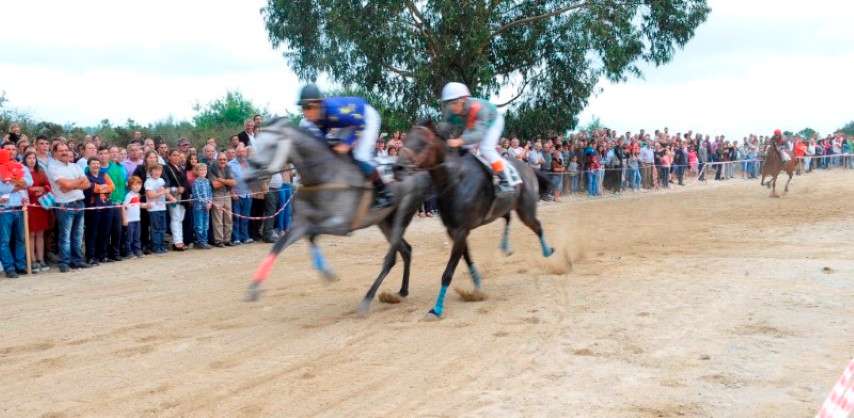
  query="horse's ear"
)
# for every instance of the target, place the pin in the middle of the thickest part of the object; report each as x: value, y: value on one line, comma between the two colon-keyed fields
x: 427, y: 123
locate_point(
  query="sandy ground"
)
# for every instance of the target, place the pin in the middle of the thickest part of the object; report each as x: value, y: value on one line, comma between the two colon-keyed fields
x: 713, y: 301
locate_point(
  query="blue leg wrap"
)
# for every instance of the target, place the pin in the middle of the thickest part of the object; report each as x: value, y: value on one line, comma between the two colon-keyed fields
x: 317, y: 259
x: 547, y: 251
x: 440, y: 301
x: 505, y: 239
x: 475, y: 276
x: 365, y: 167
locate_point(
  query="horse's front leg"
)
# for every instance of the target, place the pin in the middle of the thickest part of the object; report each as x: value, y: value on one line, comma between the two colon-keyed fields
x: 789, y: 180
x: 448, y: 275
x: 773, y: 183
x: 477, y: 294
x: 263, y: 272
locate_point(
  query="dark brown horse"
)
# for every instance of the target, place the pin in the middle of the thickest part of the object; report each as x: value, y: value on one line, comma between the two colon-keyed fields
x: 467, y: 199
x: 772, y: 166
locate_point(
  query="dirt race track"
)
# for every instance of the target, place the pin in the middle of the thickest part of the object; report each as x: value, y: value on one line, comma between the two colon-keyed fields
x: 711, y: 301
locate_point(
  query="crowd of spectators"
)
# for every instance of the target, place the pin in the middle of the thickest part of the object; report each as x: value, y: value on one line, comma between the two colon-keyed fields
x: 90, y: 202
x: 603, y: 160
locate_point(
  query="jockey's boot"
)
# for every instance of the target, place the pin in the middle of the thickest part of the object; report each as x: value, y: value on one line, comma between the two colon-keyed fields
x: 382, y: 197
x: 504, y: 182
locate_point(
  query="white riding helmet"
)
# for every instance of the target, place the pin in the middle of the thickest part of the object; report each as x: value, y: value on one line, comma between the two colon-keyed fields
x: 453, y: 91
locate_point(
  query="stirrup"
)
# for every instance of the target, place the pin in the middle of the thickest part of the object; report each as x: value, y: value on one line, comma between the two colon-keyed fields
x: 382, y: 199
x: 504, y: 186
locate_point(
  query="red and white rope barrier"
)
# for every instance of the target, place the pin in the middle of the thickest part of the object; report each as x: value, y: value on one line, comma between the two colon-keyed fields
x: 255, y: 218
x: 840, y: 401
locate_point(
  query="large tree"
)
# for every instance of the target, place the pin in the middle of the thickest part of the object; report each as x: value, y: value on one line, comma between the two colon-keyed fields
x: 550, y: 52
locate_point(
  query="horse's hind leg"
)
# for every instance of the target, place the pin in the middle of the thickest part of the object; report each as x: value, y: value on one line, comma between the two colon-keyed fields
x: 291, y: 236
x: 388, y: 263
x: 528, y: 215
x: 789, y: 180
x: 319, y: 261
x: 405, y: 251
x: 505, y: 237
x: 396, y: 244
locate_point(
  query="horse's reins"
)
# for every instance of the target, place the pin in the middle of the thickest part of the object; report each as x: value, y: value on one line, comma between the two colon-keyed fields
x: 419, y: 160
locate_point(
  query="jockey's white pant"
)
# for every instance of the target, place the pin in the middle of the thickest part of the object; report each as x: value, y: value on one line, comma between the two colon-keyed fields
x: 363, y: 148
x: 784, y: 153
x: 489, y: 144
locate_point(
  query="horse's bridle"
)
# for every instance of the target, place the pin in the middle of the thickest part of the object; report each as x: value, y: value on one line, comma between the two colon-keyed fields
x: 419, y: 160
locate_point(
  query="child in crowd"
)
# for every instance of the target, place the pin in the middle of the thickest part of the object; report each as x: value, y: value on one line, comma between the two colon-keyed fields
x: 202, y: 202
x: 158, y: 195
x: 573, y: 173
x: 131, y: 217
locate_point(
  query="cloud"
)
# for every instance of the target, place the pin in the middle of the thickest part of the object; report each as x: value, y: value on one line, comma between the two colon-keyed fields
x: 754, y: 66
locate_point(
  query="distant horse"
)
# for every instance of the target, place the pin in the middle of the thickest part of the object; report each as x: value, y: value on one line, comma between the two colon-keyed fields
x: 772, y: 166
x: 467, y: 199
x: 333, y: 199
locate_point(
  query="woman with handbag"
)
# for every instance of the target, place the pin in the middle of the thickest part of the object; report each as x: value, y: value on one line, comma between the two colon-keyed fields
x: 38, y: 217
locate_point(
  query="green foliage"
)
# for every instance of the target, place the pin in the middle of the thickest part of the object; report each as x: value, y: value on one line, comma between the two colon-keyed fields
x: 552, y: 51
x: 220, y: 119
x: 48, y: 129
x: 808, y: 133
x: 229, y: 111
x: 528, y: 124
x: 848, y: 129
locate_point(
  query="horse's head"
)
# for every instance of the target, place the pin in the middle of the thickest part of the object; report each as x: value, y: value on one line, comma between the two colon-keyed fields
x: 424, y: 147
x: 270, y: 150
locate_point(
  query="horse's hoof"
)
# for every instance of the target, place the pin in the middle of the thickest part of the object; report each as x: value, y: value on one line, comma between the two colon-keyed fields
x: 253, y: 294
x: 329, y: 276
x: 507, y: 253
x: 364, y: 309
x: 390, y: 298
x: 432, y: 316
x: 547, y: 252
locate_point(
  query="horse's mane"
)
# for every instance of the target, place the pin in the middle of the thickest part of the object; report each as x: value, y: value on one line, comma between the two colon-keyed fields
x: 297, y: 133
x: 442, y: 130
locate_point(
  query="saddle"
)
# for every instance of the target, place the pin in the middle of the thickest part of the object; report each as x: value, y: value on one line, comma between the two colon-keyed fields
x: 512, y: 173
x: 503, y: 201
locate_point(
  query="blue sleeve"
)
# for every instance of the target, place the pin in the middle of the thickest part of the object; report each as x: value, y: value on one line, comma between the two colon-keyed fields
x: 6, y: 187
x: 28, y: 178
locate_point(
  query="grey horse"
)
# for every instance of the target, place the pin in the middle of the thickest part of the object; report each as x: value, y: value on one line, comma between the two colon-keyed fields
x: 334, y: 199
x: 467, y: 199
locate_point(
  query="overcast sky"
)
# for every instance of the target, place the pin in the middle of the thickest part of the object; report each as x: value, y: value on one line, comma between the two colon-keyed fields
x: 753, y: 66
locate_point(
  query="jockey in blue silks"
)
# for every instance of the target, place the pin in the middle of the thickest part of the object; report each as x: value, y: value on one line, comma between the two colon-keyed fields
x: 347, y: 124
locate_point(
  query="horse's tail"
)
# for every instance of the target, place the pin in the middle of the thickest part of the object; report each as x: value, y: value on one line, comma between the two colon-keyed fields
x: 543, y: 181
